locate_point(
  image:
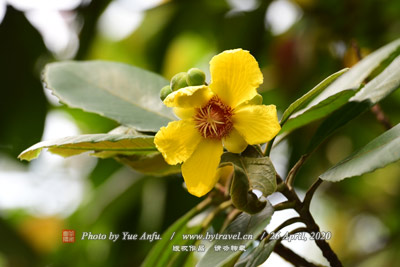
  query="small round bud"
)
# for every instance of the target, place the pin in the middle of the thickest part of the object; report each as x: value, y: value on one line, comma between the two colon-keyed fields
x: 178, y: 81
x: 165, y: 91
x: 257, y: 100
x: 195, y: 77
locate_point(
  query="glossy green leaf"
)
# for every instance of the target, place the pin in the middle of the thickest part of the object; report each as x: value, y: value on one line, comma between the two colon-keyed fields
x: 250, y: 174
x: 334, y: 96
x: 258, y: 255
x: 162, y: 252
x: 322, y: 109
x: 380, y: 152
x: 245, y: 224
x: 126, y: 94
x: 373, y: 92
x: 357, y: 74
x: 302, y: 101
x: 74, y: 145
x: 382, y: 85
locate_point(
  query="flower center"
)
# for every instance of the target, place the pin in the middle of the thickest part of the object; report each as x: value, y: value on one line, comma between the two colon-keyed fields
x: 214, y: 120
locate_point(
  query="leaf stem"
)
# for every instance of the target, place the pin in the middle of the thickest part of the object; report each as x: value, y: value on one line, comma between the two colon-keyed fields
x: 285, y: 205
x: 293, y: 172
x: 302, y: 209
x: 310, y: 193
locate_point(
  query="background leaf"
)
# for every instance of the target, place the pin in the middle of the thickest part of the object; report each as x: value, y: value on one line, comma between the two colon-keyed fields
x: 334, y: 96
x: 244, y: 224
x: 74, y: 145
x: 380, y: 152
x: 299, y: 103
x: 318, y: 111
x: 126, y: 94
x: 161, y: 254
x: 250, y: 174
x: 373, y: 92
x: 357, y: 74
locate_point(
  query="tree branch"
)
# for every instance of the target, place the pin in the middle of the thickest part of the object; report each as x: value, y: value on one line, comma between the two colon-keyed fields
x: 292, y: 257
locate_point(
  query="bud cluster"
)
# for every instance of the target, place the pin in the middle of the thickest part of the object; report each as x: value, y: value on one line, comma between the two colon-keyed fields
x: 193, y: 77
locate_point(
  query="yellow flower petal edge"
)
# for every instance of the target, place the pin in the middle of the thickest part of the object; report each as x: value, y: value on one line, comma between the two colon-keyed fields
x: 177, y: 141
x: 235, y: 76
x: 189, y: 97
x: 200, y: 170
x: 234, y: 142
x: 257, y: 124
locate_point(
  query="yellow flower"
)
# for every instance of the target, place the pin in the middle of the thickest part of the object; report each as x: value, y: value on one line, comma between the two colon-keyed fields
x: 215, y: 116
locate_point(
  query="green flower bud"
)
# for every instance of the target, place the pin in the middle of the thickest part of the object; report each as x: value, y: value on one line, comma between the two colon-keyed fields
x: 165, y: 91
x: 179, y: 81
x: 257, y: 100
x: 195, y: 77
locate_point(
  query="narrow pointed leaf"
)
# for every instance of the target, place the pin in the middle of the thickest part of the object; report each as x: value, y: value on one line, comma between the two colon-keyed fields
x: 356, y: 75
x: 126, y: 94
x: 373, y: 92
x: 334, y: 93
x: 380, y: 152
x: 382, y: 85
x: 162, y: 251
x: 302, y: 101
x: 74, y: 145
x: 322, y: 109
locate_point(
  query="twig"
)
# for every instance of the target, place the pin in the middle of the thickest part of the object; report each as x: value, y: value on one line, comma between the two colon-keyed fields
x: 293, y: 172
x: 310, y: 193
x: 312, y: 226
x: 292, y: 257
x: 285, y: 205
x: 381, y: 116
x: 280, y: 227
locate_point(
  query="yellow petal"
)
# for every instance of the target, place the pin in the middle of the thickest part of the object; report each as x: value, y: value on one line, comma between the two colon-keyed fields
x: 257, y: 124
x: 184, y: 113
x: 189, y: 97
x: 200, y: 170
x: 234, y: 142
x: 177, y: 141
x: 235, y: 76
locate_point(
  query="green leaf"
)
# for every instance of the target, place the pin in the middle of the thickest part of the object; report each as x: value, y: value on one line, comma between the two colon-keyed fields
x: 302, y: 101
x: 69, y: 146
x: 357, y: 74
x: 382, y: 85
x: 245, y: 224
x: 149, y: 163
x: 334, y: 95
x: 374, y: 91
x: 337, y: 119
x: 258, y: 255
x: 380, y: 152
x: 249, y: 174
x: 126, y: 94
x: 318, y: 111
x: 162, y: 253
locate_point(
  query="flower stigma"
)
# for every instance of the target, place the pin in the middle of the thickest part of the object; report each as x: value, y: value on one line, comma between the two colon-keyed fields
x: 214, y: 120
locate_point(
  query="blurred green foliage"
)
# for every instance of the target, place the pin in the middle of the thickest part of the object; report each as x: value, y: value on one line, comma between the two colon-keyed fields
x: 174, y: 37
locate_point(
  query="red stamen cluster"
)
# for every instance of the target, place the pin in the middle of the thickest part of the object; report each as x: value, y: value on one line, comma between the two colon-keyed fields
x: 214, y: 120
